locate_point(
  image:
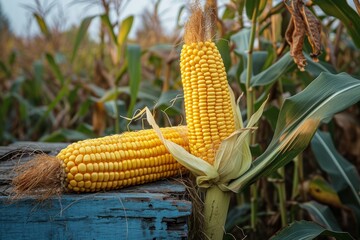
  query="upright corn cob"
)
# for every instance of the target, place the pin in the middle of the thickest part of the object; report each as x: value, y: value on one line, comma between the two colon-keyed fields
x: 107, y: 163
x: 209, y: 114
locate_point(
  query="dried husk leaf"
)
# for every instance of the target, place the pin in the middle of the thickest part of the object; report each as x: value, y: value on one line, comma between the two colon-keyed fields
x: 232, y: 159
x: 257, y: 115
x: 289, y: 33
x: 239, y: 124
x: 205, y: 173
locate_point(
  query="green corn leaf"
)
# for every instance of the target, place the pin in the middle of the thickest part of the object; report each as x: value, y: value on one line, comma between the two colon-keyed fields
x: 229, y: 13
x: 306, y: 230
x: 12, y: 58
x: 64, y: 135
x: 170, y: 102
x: 315, y: 68
x: 224, y: 49
x: 55, y: 68
x: 321, y: 214
x: 85, y: 23
x: 112, y: 94
x: 124, y: 31
x: 121, y: 72
x: 106, y: 21
x: 42, y: 25
x: 241, y: 40
x: 60, y: 95
x: 38, y: 68
x: 271, y: 114
x: 134, y: 70
x: 262, y: 6
x: 237, y: 216
x: 259, y: 59
x: 250, y: 6
x: 182, y: 9
x: 343, y: 175
x: 298, y: 120
x: 115, y: 109
x: 274, y: 72
x: 5, y: 69
x: 341, y: 10
x: 284, y: 65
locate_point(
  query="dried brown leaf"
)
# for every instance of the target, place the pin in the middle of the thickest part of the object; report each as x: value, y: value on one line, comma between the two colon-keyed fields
x: 357, y: 5
x: 98, y: 119
x: 289, y: 32
x: 313, y: 31
x: 297, y: 33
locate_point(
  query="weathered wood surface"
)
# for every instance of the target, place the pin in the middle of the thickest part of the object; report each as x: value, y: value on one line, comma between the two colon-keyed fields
x: 152, y: 211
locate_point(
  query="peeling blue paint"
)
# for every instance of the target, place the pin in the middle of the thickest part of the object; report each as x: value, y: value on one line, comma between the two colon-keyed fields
x: 113, y: 215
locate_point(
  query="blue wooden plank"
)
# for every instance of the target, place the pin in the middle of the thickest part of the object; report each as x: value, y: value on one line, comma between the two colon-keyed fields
x: 155, y: 211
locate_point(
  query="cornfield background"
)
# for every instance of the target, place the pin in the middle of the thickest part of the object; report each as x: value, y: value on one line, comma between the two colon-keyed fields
x: 64, y: 86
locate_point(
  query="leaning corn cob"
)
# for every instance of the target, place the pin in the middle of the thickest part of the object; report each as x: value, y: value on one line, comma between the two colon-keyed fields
x: 106, y: 163
x: 209, y: 114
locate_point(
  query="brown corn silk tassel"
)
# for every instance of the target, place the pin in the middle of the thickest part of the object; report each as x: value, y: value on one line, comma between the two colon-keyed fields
x: 99, y: 164
x: 302, y: 23
x: 209, y: 113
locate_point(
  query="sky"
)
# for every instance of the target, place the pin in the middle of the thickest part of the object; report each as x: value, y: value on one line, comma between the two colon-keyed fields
x: 23, y: 24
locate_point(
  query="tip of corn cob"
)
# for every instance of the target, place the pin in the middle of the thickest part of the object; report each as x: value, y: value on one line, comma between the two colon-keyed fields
x: 40, y: 177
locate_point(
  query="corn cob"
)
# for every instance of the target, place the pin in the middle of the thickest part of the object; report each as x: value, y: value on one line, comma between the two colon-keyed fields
x: 209, y: 114
x: 110, y: 162
x: 210, y: 119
